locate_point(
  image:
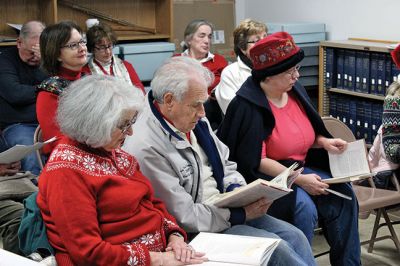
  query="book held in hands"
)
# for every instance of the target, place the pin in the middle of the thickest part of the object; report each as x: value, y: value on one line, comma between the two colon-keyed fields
x: 260, y: 188
x: 350, y: 165
x: 18, y: 152
x: 225, y: 249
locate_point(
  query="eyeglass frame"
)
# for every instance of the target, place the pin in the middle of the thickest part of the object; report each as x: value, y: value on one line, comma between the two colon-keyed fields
x: 104, y: 47
x: 291, y: 72
x: 75, y: 45
x: 128, y: 125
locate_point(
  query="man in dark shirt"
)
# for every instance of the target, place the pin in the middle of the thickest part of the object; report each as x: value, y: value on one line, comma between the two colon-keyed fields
x: 19, y: 74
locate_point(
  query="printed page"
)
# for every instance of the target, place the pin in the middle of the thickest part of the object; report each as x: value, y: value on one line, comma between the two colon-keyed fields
x: 18, y: 152
x: 250, y: 193
x: 352, y: 162
x: 286, y: 177
x: 234, y: 249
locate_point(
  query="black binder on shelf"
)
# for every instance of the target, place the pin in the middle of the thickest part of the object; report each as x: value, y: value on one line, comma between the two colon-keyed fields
x: 373, y: 73
x: 359, y: 71
x: 365, y: 86
x: 339, y: 107
x: 367, y: 122
x: 340, y: 68
x: 395, y: 72
x: 353, y: 115
x: 359, y: 119
x: 329, y: 68
x: 380, y: 74
x: 350, y: 69
x: 376, y: 118
x: 388, y: 71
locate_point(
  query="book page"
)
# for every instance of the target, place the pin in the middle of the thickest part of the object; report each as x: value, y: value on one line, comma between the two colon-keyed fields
x: 352, y: 162
x: 286, y: 177
x: 250, y: 193
x: 234, y: 249
x: 18, y: 152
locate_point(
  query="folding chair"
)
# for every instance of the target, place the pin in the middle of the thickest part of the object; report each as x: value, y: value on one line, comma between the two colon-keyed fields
x: 369, y: 198
x: 37, y: 137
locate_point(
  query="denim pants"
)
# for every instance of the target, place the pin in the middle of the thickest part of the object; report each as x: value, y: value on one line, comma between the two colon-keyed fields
x: 10, y: 218
x: 337, y: 216
x: 293, y: 248
x: 23, y: 134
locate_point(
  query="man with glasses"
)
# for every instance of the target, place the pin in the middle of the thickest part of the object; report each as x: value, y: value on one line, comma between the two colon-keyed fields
x: 188, y: 166
x: 19, y: 74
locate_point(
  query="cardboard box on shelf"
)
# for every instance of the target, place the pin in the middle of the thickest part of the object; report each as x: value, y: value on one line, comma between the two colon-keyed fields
x: 221, y: 13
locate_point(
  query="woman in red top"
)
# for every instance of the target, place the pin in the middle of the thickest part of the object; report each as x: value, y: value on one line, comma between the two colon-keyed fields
x: 197, y: 45
x: 97, y: 206
x: 63, y: 53
x: 100, y: 41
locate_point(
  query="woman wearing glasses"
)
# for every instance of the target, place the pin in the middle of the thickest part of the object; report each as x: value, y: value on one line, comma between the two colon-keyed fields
x: 232, y: 77
x: 269, y: 125
x: 100, y: 42
x: 63, y: 53
x: 105, y: 213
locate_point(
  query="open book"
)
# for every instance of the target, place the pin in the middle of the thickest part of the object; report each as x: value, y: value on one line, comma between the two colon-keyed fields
x: 260, y: 188
x: 225, y: 249
x: 351, y: 165
x: 18, y: 152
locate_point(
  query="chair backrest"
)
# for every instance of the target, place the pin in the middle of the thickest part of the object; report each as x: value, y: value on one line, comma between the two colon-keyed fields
x: 37, y: 137
x: 338, y: 129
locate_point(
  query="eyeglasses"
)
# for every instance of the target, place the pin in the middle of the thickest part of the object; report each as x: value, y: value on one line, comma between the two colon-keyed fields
x: 292, y: 71
x: 104, y: 48
x: 252, y: 41
x: 75, y: 45
x: 128, y: 125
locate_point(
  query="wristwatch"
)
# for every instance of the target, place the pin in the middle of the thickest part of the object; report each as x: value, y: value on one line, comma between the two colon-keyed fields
x: 177, y: 234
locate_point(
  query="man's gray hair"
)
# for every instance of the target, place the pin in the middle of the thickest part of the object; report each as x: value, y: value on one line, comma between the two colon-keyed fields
x: 30, y: 28
x: 174, y: 76
x: 91, y: 108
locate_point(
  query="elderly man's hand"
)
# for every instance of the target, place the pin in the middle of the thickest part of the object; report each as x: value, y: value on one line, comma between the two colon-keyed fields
x: 9, y: 169
x: 257, y: 209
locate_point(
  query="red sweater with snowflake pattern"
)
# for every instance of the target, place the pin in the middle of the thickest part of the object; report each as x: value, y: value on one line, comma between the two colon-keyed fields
x: 99, y: 209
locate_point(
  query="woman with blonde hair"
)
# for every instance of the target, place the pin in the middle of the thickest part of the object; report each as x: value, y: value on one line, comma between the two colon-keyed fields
x: 244, y: 37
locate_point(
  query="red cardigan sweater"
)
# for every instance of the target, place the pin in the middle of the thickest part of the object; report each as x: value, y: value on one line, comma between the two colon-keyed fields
x: 46, y: 107
x: 99, y: 209
x: 216, y: 66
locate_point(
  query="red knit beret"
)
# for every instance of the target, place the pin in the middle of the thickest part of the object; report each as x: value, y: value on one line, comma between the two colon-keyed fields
x: 274, y: 54
x: 396, y: 56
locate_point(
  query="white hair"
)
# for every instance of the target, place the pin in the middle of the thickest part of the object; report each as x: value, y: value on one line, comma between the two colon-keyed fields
x: 174, y: 76
x: 91, y: 108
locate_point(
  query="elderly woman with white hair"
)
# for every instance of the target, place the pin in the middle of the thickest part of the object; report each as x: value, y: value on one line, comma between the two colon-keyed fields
x: 97, y: 206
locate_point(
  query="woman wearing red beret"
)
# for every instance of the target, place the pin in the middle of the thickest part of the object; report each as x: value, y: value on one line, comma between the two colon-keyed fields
x: 272, y: 123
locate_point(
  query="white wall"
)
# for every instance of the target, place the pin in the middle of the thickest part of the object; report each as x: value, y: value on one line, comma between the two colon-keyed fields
x: 371, y: 19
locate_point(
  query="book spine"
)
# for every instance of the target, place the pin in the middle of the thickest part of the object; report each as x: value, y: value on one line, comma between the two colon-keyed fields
x: 388, y: 71
x: 340, y: 68
x: 373, y: 73
x: 353, y: 116
x: 351, y: 70
x: 329, y: 68
x: 365, y: 86
x: 380, y: 74
x: 359, y: 71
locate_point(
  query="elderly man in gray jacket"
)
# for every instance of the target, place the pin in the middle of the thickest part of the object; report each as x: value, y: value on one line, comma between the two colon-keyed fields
x: 188, y: 166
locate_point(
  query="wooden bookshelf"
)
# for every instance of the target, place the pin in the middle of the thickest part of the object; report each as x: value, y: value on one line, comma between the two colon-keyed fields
x: 152, y: 14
